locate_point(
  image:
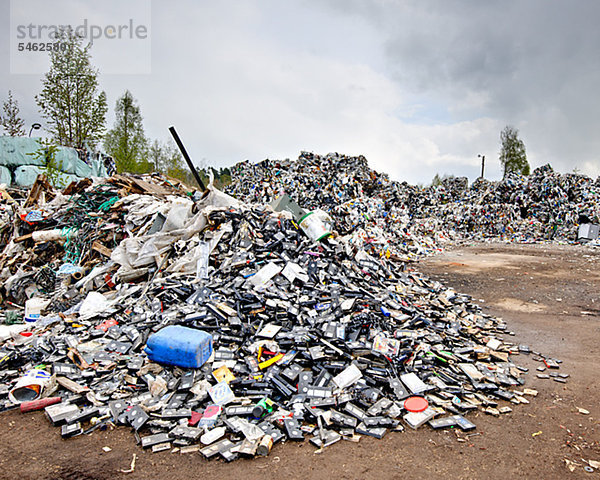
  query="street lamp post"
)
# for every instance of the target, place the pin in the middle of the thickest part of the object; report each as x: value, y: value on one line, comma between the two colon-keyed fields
x: 35, y: 126
x: 482, y: 163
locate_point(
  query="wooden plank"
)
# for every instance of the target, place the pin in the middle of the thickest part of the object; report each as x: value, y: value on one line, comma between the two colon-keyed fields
x: 36, y: 190
x: 22, y: 238
x: 101, y: 249
x: 76, y: 187
x: 150, y: 188
x: 71, y: 385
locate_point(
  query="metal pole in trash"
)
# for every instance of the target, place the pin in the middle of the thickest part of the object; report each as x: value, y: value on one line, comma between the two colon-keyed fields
x: 482, y: 163
x: 188, y: 160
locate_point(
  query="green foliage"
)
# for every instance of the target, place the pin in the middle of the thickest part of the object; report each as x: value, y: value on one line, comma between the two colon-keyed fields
x: 156, y: 156
x: 126, y: 142
x: 166, y: 158
x: 70, y: 102
x: 52, y: 168
x: 224, y: 177
x: 10, y: 120
x: 512, y: 154
x: 439, y: 180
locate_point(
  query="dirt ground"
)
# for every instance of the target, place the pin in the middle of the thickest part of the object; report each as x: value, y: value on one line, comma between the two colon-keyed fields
x: 549, y: 297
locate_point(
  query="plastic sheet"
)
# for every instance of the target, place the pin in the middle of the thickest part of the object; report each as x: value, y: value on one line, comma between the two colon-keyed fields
x: 5, y: 176
x: 26, y: 175
x: 18, y: 151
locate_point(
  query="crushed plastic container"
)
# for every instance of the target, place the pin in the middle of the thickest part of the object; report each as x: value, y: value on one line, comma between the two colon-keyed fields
x: 30, y: 386
x: 180, y: 346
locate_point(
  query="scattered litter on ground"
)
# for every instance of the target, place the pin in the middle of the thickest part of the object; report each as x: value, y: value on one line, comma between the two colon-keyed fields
x: 226, y: 325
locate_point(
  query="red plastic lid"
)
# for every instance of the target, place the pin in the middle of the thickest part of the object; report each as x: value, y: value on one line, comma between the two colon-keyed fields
x: 415, y: 404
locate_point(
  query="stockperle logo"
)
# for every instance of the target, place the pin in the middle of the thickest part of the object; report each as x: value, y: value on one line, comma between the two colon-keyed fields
x: 118, y: 33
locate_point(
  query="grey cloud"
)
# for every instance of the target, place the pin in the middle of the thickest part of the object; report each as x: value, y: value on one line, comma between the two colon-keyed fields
x: 535, y: 63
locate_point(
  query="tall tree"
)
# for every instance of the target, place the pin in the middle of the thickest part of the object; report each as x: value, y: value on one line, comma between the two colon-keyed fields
x: 512, y: 154
x: 126, y: 142
x: 10, y: 120
x: 74, y: 109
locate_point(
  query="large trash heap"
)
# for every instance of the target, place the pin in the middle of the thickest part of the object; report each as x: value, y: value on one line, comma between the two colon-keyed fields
x: 306, y: 340
x: 545, y: 205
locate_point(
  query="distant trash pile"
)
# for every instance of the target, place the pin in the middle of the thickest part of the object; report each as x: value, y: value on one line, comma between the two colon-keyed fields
x: 543, y: 206
x: 221, y: 325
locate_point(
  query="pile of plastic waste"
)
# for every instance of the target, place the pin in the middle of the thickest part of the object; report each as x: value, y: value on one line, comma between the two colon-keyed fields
x: 543, y: 206
x: 207, y: 323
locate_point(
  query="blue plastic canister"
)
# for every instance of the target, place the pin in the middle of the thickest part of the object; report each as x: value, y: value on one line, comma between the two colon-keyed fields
x: 180, y: 346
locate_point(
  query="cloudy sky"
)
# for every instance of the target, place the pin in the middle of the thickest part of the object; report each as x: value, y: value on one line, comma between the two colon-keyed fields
x: 418, y: 87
